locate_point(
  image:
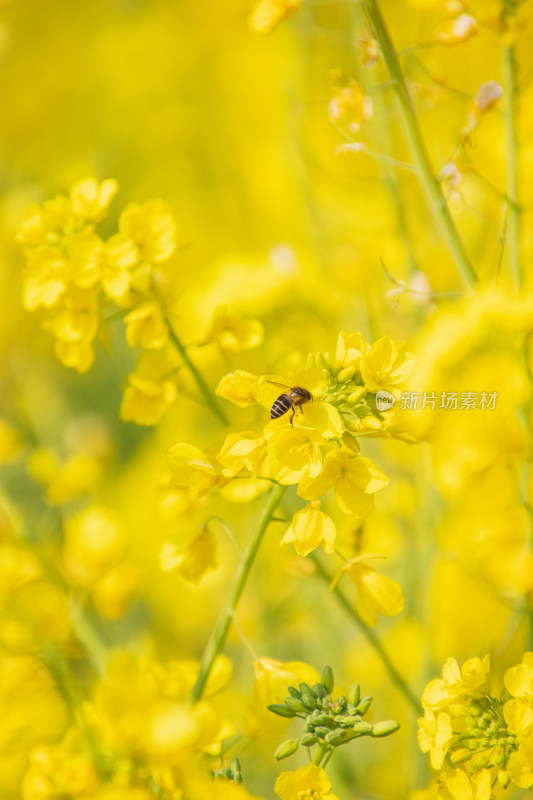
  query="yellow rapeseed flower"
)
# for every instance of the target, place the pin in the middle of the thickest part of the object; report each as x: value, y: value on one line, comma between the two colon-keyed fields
x: 310, y: 781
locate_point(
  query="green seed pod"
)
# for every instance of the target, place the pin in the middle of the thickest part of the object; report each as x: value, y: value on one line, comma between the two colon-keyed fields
x: 281, y: 710
x: 294, y: 692
x: 459, y: 756
x: 504, y: 778
x: 363, y: 705
x: 286, y: 749
x: 322, y: 731
x: 385, y: 728
x: 235, y: 767
x: 328, y: 679
x: 294, y: 704
x: 308, y: 739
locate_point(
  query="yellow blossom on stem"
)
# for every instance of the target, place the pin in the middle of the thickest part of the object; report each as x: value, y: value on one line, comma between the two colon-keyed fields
x: 268, y: 14
x: 472, y: 679
x: 518, y: 711
x: 310, y: 781
x: 238, y: 387
x: 193, y: 470
x: 240, y: 451
x: 152, y: 229
x: 311, y: 528
x: 386, y: 364
x: 193, y: 559
x: 90, y: 199
x: 234, y: 333
x: 298, y: 451
x: 146, y: 326
x: 434, y: 735
x: 375, y: 593
x: 95, y: 539
x: 354, y: 478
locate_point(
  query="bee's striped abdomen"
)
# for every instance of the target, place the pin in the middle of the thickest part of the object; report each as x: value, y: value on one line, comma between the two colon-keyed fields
x: 281, y: 406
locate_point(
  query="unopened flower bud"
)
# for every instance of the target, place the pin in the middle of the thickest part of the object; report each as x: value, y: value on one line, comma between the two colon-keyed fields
x: 323, y: 719
x: 480, y: 762
x: 286, y: 749
x: 346, y: 374
x: 460, y: 755
x: 499, y: 757
x: 335, y: 738
x: 363, y: 705
x: 319, y: 691
x: 235, y: 767
x: 308, y: 700
x: 281, y: 710
x: 355, y: 694
x: 328, y: 679
x: 350, y: 441
x: 342, y: 701
x: 353, y: 424
x: 294, y: 704
x: 308, y: 739
x: 373, y: 423
x: 322, y: 731
x: 504, y: 778
x: 294, y: 692
x: 356, y: 395
x: 385, y: 728
x: 362, y: 728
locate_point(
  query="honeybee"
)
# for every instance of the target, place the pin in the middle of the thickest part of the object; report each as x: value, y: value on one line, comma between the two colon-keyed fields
x: 294, y: 398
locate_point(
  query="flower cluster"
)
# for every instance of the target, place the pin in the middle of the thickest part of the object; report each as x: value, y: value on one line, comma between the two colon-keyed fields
x: 74, y: 274
x: 475, y: 737
x: 139, y: 735
x: 330, y: 720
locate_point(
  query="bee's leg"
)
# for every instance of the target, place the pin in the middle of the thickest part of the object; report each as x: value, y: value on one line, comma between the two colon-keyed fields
x: 292, y: 416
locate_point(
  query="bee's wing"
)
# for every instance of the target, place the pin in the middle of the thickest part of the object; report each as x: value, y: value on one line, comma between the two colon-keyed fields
x: 281, y: 385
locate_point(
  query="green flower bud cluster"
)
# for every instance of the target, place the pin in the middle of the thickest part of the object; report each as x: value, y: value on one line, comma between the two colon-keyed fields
x: 346, y: 391
x: 486, y: 740
x: 328, y: 723
x: 231, y: 773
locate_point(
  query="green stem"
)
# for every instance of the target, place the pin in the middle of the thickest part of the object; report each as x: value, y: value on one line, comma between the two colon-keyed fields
x: 436, y: 198
x: 216, y: 644
x: 511, y: 94
x: 206, y: 392
x: 372, y: 638
x: 319, y: 755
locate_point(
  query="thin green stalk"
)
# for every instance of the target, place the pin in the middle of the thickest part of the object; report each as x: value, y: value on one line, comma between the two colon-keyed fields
x: 372, y: 638
x: 436, y: 198
x: 216, y: 644
x: 511, y: 94
x: 206, y: 392
x: 319, y: 755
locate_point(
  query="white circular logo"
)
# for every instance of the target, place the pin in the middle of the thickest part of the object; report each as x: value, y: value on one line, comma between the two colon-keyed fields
x: 384, y: 400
